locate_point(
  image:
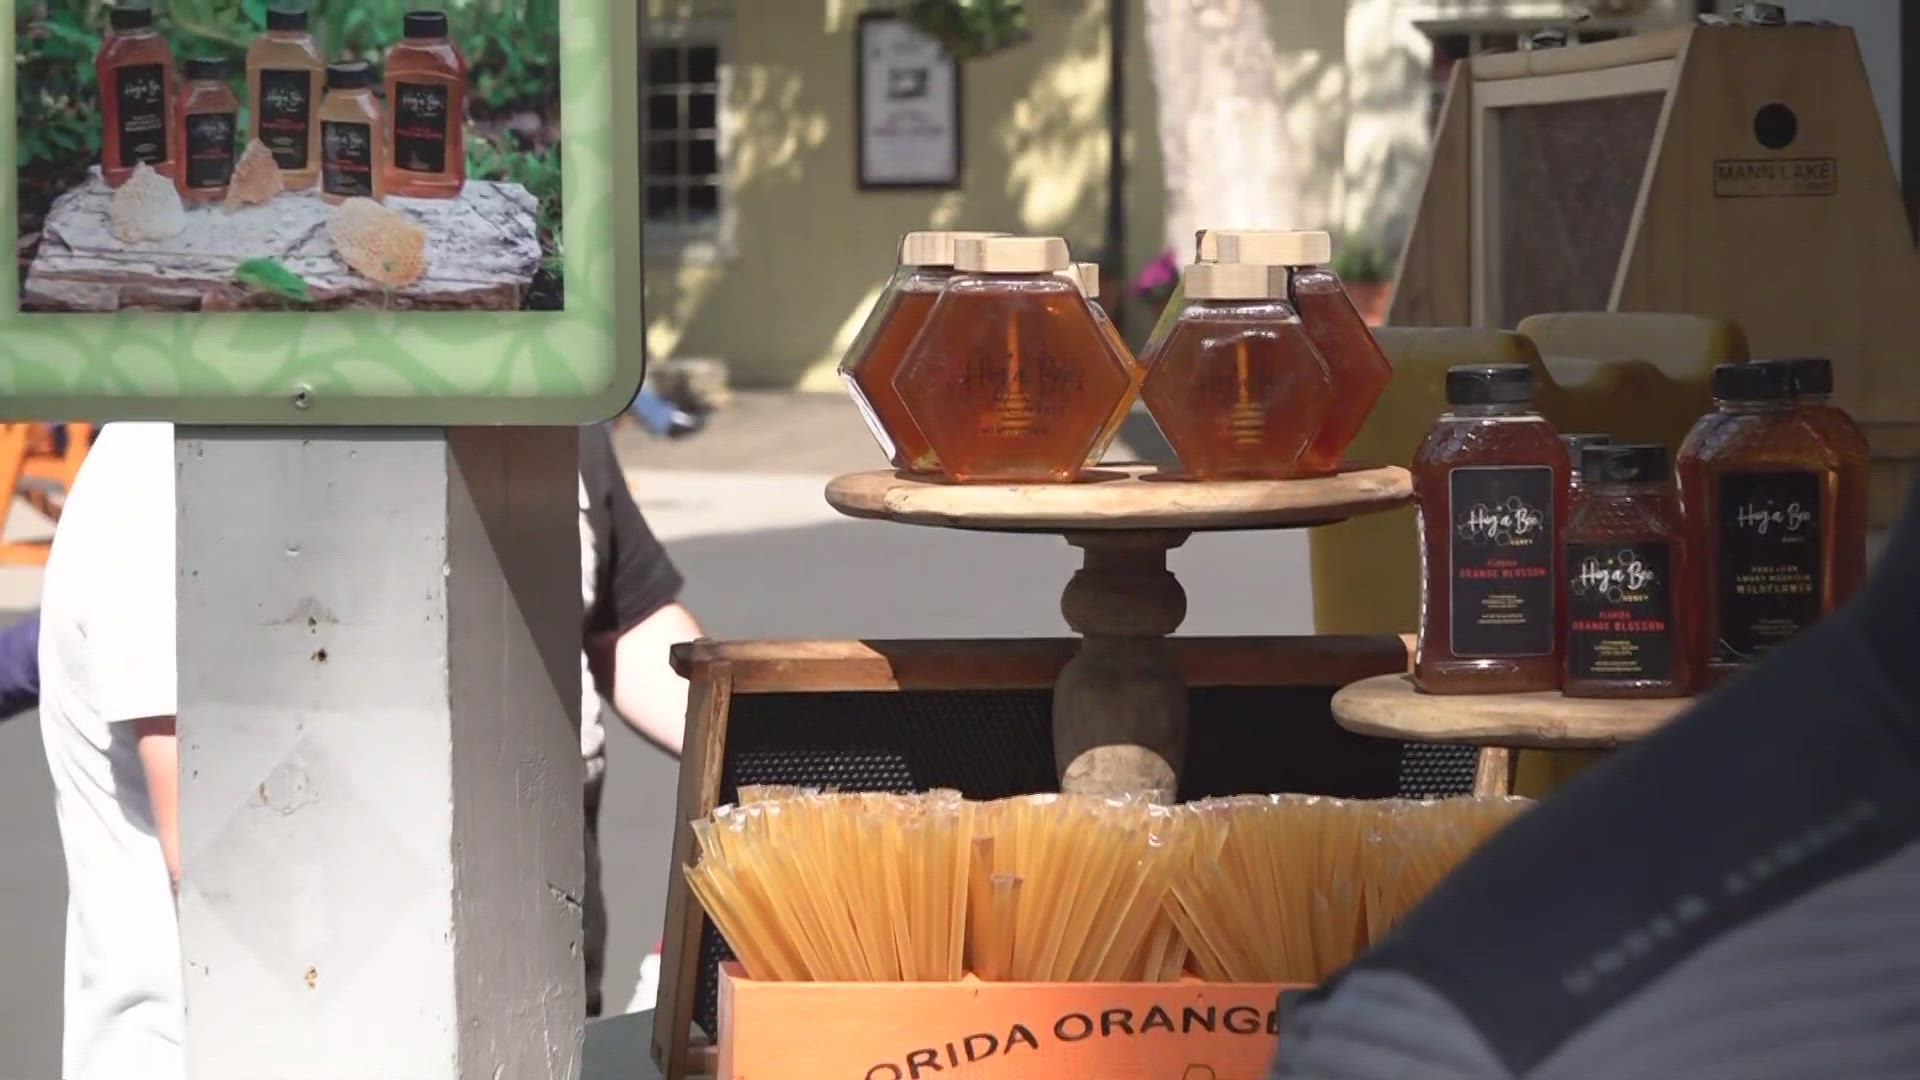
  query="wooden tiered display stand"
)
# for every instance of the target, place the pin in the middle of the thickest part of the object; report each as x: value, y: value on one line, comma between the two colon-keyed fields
x: 1389, y: 707
x: 1120, y: 705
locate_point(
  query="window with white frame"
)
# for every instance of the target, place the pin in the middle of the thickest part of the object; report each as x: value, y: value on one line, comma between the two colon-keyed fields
x: 682, y: 160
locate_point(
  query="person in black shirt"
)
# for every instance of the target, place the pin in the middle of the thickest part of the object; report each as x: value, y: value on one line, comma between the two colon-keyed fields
x: 633, y: 616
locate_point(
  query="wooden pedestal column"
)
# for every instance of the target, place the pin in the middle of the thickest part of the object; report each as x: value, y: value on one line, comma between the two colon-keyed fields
x: 1120, y: 705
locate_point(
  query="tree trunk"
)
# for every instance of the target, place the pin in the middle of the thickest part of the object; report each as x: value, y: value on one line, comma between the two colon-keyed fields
x: 1223, y: 138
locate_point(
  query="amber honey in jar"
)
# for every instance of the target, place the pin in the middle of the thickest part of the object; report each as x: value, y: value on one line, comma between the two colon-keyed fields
x: 868, y: 369
x: 1625, y: 557
x: 1811, y: 379
x: 1576, y: 445
x: 1087, y: 276
x: 285, y: 80
x: 426, y: 76
x: 134, y: 70
x: 353, y: 149
x: 1490, y: 482
x: 209, y: 123
x: 1238, y: 390
x: 1757, y: 488
x: 1206, y: 249
x: 1359, y: 367
x: 1011, y: 379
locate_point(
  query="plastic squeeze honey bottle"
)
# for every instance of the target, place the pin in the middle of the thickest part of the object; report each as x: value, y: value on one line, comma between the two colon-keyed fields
x: 353, y: 149
x: 1629, y: 622
x: 427, y: 111
x: 1011, y: 379
x: 1811, y: 380
x: 1757, y: 486
x: 135, y: 73
x: 285, y: 77
x: 1359, y: 367
x: 1490, y: 482
x: 1087, y: 276
x: 1238, y: 389
x: 209, y: 121
x: 868, y: 369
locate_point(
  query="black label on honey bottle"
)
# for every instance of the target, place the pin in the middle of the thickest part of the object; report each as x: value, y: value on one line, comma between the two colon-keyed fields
x: 1620, y: 611
x: 1767, y: 574
x: 209, y: 149
x: 420, y: 127
x: 286, y: 115
x: 140, y: 92
x: 346, y: 159
x: 1501, y: 560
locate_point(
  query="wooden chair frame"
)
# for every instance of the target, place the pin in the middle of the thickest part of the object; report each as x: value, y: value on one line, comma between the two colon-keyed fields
x: 720, y: 670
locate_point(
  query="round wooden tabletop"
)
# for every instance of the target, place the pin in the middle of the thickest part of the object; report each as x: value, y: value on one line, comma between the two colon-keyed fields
x: 1389, y: 707
x: 1121, y: 497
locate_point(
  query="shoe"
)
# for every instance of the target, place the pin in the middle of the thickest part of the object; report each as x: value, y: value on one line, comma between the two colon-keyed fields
x: 682, y: 424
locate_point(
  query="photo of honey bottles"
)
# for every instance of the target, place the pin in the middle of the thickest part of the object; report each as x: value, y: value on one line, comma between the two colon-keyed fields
x: 1237, y: 389
x: 426, y: 76
x: 209, y: 124
x: 868, y: 369
x: 1087, y: 276
x: 353, y: 150
x: 135, y: 73
x: 1576, y: 484
x: 1012, y: 378
x: 1490, y: 484
x: 1811, y: 380
x: 1626, y: 557
x: 1757, y: 488
x: 1359, y: 368
x: 285, y: 79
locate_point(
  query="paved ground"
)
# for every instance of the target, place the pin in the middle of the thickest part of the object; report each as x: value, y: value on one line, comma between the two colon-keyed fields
x: 739, y: 507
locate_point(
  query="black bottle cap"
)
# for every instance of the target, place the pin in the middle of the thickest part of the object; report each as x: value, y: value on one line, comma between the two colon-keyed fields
x: 130, y: 18
x: 349, y: 75
x: 1627, y: 464
x: 285, y: 19
x: 1751, y: 382
x: 208, y: 69
x: 1490, y: 384
x: 1805, y: 374
x: 426, y: 24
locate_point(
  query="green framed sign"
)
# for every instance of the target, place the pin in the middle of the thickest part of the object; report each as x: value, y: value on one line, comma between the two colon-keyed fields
x: 344, y: 212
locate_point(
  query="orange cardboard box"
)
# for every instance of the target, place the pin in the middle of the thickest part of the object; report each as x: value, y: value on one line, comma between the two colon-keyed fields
x: 973, y: 1030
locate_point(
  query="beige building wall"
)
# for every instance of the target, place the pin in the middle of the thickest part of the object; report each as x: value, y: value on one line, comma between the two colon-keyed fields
x: 804, y: 251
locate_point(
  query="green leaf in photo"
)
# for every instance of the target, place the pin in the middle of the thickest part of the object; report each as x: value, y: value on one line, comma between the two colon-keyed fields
x: 268, y: 275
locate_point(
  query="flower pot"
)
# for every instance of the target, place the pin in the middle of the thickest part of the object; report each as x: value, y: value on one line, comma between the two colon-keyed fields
x: 1372, y: 298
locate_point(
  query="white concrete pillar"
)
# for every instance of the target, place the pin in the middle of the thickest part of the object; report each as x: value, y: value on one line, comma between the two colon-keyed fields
x: 380, y: 757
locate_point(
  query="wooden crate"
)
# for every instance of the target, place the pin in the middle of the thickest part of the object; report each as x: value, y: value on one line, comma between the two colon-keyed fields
x: 1186, y: 1030
x: 1733, y: 172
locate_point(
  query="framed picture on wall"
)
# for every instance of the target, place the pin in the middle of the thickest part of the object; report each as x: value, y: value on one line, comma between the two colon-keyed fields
x: 906, y: 107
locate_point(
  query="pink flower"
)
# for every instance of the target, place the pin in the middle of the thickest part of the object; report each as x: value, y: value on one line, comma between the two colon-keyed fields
x: 1161, y: 272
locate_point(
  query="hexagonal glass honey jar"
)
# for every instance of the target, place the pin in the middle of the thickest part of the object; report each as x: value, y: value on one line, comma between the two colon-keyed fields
x: 1359, y: 367
x: 1237, y: 386
x: 1012, y: 379
x: 925, y: 267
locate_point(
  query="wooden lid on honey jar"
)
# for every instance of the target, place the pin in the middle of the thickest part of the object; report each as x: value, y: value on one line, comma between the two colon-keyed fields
x: 1011, y: 255
x: 1271, y: 247
x: 934, y: 248
x: 1235, y: 281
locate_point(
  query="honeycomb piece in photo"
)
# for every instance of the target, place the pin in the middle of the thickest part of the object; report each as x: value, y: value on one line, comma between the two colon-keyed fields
x: 256, y: 177
x: 382, y: 245
x: 146, y: 208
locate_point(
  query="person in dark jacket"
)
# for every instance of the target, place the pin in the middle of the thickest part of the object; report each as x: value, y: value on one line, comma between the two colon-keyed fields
x: 1736, y: 898
x: 20, y: 667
